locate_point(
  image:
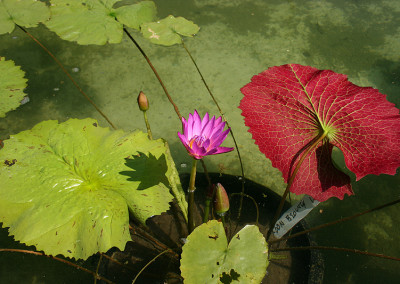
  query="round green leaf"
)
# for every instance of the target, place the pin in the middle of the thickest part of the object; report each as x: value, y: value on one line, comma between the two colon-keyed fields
x: 134, y: 15
x: 12, y: 84
x: 85, y: 21
x: 96, y: 21
x: 168, y: 31
x: 63, y: 189
x: 26, y: 13
x: 207, y: 257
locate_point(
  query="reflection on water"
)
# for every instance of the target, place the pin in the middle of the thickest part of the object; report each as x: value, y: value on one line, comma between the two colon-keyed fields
x: 238, y: 38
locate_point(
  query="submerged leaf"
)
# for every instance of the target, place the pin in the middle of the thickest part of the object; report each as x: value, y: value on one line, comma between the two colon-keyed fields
x: 168, y: 31
x: 287, y: 107
x: 96, y: 21
x: 207, y: 257
x: 26, y: 13
x: 12, y: 85
x: 62, y: 190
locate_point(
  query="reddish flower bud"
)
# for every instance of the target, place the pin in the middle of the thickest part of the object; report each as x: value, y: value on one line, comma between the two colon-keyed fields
x: 221, y: 201
x: 143, y: 102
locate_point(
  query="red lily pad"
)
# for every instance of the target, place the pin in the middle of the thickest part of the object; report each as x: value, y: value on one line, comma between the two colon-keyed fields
x: 287, y: 107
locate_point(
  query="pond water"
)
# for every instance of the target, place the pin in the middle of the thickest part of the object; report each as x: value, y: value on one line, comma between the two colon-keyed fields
x: 237, y: 39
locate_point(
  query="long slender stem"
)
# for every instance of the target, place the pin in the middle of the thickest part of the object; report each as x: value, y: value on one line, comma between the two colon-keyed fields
x: 206, y: 210
x: 318, y: 139
x: 192, y: 188
x: 223, y: 219
x: 118, y: 263
x: 61, y: 260
x: 155, y: 242
x: 147, y: 125
x: 98, y: 267
x: 155, y: 73
x: 69, y: 76
x: 150, y: 262
x: 338, y: 249
x: 335, y: 222
x: 254, y: 201
x: 226, y: 121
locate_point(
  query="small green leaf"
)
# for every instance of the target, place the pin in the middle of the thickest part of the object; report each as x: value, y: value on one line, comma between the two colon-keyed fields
x: 12, y: 84
x: 26, y: 13
x: 168, y: 31
x: 207, y: 257
x: 62, y: 189
x: 134, y: 15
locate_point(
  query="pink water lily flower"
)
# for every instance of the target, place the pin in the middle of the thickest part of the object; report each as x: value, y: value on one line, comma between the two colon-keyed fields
x: 202, y: 137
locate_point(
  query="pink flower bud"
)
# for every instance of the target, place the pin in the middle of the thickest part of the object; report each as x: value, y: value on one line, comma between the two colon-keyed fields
x: 221, y: 201
x: 143, y: 102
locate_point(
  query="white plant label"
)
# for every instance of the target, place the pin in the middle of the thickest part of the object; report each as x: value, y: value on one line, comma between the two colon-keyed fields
x: 292, y: 216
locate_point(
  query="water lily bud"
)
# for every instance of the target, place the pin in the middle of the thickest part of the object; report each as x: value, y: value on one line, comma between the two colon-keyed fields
x: 221, y: 201
x: 143, y: 102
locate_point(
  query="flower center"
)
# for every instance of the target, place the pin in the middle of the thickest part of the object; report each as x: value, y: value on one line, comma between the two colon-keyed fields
x: 198, y: 139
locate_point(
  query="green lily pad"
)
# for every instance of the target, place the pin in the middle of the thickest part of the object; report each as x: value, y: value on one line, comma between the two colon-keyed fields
x: 168, y: 31
x: 62, y: 189
x: 207, y: 257
x: 26, y: 13
x: 96, y: 21
x: 134, y: 15
x: 12, y: 85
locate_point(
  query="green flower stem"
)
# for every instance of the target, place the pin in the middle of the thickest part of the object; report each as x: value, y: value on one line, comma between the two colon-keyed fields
x: 314, y: 144
x: 209, y: 198
x: 147, y: 125
x: 206, y: 210
x: 222, y: 216
x: 191, y: 190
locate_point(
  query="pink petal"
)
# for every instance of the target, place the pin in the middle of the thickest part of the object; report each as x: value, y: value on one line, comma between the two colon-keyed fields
x: 205, y: 120
x: 183, y: 138
x: 217, y: 131
x: 184, y: 126
x: 208, y: 128
x: 221, y: 150
x: 219, y: 139
x: 196, y: 124
x: 190, y: 122
x: 197, y: 152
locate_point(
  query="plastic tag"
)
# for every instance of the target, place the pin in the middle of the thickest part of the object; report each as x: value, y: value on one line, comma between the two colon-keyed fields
x: 292, y: 216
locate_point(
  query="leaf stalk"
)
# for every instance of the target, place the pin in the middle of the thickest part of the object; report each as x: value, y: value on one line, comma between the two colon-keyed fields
x: 317, y: 140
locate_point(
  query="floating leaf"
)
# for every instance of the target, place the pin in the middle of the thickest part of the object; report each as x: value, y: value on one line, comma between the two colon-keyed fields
x: 62, y: 190
x: 134, y: 15
x: 287, y: 107
x: 168, y: 31
x: 26, y: 13
x: 96, y: 21
x: 207, y: 257
x: 12, y: 85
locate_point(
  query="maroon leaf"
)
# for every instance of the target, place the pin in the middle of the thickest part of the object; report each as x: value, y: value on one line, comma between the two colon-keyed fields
x: 287, y: 107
